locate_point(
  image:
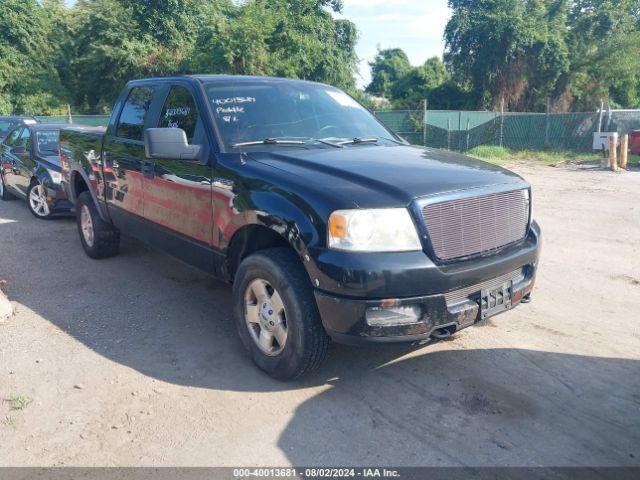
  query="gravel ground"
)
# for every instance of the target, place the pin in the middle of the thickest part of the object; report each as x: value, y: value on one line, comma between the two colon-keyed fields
x: 134, y: 360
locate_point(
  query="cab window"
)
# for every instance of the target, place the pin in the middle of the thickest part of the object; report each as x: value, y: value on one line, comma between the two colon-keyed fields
x: 134, y: 113
x: 14, y: 136
x: 180, y: 111
x: 25, y: 139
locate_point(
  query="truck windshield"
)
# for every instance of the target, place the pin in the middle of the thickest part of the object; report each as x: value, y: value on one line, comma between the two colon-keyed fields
x: 248, y: 113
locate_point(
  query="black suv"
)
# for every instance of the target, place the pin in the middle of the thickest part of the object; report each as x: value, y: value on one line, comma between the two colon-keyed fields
x: 328, y: 224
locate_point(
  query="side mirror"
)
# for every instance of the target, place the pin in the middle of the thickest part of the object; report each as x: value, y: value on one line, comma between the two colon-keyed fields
x: 20, y: 150
x: 169, y: 143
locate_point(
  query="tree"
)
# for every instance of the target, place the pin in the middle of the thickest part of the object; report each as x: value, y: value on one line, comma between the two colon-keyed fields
x: 29, y: 82
x: 418, y: 83
x: 288, y: 38
x: 529, y: 51
x: 602, y: 33
x: 386, y: 69
x: 511, y: 49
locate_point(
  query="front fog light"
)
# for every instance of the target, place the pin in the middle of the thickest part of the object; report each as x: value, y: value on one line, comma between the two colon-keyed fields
x: 390, y: 316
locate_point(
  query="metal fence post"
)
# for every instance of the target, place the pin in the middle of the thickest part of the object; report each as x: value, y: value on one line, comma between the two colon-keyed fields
x: 546, y: 126
x: 468, y: 125
x: 501, y: 121
x: 448, y: 134
x: 424, y: 124
x: 600, y: 116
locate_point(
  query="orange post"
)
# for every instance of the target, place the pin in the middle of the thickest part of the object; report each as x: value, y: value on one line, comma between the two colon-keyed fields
x: 624, y: 150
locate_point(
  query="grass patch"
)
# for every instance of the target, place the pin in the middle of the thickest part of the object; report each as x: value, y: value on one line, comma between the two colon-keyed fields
x: 501, y: 156
x: 8, y: 421
x: 19, y: 402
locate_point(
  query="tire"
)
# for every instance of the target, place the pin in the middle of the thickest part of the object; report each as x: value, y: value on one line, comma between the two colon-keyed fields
x: 4, y: 193
x: 37, y: 201
x: 307, y: 343
x: 99, y: 238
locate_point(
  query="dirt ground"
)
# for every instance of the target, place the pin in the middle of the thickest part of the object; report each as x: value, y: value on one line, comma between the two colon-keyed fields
x: 135, y: 361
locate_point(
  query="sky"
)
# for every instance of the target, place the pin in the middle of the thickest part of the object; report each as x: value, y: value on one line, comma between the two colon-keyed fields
x: 416, y: 26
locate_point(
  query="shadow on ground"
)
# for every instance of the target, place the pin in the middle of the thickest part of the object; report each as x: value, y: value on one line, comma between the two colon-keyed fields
x: 379, y: 406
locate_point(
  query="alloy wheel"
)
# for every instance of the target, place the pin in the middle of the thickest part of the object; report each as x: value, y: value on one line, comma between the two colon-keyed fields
x: 86, y: 225
x: 38, y: 201
x: 265, y: 317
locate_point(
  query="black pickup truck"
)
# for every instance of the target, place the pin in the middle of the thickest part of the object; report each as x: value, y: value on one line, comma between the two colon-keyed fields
x: 328, y: 225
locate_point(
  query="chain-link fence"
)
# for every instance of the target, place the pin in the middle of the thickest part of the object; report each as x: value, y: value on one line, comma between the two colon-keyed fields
x: 464, y: 130
x: 88, y: 120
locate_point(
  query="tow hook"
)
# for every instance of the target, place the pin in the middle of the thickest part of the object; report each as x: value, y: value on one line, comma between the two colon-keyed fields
x: 442, y: 333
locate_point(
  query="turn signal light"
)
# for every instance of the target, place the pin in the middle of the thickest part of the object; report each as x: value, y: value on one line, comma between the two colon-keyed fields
x: 338, y: 225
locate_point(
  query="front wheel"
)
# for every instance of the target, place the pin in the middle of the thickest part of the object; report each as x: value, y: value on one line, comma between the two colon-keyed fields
x: 99, y: 238
x: 276, y: 314
x: 37, y: 201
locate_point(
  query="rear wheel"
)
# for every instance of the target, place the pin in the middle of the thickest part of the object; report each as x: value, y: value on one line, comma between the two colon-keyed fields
x: 276, y: 314
x: 4, y: 193
x: 99, y: 238
x: 37, y: 200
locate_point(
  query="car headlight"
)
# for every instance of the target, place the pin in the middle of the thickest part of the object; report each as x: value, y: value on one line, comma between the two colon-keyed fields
x: 55, y: 176
x: 380, y: 230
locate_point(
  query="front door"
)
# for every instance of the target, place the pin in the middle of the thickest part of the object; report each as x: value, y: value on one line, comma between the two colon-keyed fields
x: 177, y: 194
x: 124, y: 158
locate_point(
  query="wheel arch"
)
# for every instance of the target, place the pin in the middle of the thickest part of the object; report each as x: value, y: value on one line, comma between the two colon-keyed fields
x: 282, y: 228
x: 80, y: 182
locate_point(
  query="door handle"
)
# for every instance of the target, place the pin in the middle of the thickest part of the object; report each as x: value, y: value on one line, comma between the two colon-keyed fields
x: 148, y: 169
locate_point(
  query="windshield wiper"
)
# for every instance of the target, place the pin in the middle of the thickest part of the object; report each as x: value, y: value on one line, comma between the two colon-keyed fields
x: 269, y: 141
x: 360, y: 140
x: 285, y: 141
x: 372, y: 139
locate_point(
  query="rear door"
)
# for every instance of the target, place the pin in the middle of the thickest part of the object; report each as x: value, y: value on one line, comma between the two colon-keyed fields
x: 18, y: 158
x: 177, y: 195
x: 124, y: 156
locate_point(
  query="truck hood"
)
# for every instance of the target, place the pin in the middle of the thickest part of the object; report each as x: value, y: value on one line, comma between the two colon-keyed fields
x: 385, y: 176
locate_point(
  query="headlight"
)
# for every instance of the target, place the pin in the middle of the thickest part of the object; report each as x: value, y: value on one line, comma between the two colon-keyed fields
x: 55, y: 176
x: 382, y: 230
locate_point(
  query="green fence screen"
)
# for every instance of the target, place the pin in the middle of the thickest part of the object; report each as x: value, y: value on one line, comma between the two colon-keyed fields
x: 464, y: 130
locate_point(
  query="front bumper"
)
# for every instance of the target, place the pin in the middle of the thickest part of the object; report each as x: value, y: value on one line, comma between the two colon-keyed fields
x: 345, y: 319
x: 450, y: 299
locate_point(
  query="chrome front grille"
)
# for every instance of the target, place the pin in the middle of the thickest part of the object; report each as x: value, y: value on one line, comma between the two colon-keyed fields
x: 464, y: 293
x: 467, y: 226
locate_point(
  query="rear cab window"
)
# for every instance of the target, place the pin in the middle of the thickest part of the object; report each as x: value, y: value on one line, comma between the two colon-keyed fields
x: 134, y: 113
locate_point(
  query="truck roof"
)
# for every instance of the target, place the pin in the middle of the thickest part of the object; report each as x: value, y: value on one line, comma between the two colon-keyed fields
x: 207, y: 78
